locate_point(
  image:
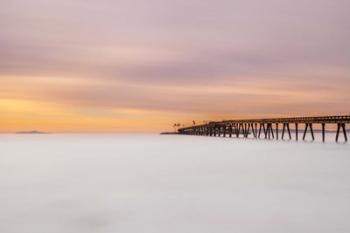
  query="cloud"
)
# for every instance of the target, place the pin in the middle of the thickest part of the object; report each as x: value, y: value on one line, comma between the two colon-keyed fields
x: 192, y: 40
x: 214, y: 58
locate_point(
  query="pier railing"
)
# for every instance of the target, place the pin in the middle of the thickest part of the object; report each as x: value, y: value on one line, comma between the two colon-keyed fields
x: 268, y: 128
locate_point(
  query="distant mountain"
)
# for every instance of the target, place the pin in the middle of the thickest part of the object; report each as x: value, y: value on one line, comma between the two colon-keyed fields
x: 31, y: 132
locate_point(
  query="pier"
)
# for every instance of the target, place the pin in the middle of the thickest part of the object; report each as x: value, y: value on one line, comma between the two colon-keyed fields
x: 269, y: 128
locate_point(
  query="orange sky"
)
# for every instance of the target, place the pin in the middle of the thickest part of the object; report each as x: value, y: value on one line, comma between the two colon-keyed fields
x: 76, y: 66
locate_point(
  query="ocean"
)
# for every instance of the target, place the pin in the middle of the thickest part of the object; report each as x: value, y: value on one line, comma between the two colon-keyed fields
x: 104, y: 183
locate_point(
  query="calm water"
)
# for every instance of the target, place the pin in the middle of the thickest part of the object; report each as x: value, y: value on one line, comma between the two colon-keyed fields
x: 165, y: 184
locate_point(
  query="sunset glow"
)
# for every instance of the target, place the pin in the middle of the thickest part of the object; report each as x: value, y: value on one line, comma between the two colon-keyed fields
x: 113, y: 66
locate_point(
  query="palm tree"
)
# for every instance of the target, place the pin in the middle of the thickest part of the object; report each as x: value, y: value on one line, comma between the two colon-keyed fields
x: 176, y: 125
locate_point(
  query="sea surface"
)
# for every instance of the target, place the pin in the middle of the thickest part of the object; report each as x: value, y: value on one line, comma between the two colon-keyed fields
x: 172, y: 184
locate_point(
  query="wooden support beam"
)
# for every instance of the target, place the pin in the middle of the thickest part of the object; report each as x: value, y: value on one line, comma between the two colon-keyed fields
x: 241, y: 129
x: 312, y: 132
x: 265, y: 130
x: 341, y: 126
x: 296, y: 132
x: 271, y: 129
x: 344, y: 131
x: 260, y: 130
x: 290, y: 135
x: 247, y: 131
x: 248, y: 127
x: 338, y: 130
x: 238, y: 130
x: 286, y: 126
x: 276, y: 131
x: 305, y: 131
x: 307, y: 126
x: 253, y: 130
x: 323, y: 132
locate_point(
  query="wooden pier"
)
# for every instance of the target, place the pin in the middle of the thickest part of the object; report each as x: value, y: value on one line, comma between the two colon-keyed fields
x: 269, y: 128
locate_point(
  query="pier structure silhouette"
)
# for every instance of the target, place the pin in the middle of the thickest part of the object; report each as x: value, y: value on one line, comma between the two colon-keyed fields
x: 268, y: 128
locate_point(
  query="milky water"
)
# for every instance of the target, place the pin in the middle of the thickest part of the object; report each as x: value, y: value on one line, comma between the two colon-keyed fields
x: 152, y: 183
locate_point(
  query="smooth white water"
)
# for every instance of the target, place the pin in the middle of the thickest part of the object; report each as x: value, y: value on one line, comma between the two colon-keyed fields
x: 168, y: 184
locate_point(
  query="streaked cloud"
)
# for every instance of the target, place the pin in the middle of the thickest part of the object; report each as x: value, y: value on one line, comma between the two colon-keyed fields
x: 211, y: 60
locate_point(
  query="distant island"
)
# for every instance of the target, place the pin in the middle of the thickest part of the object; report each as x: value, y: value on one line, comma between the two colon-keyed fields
x: 31, y: 132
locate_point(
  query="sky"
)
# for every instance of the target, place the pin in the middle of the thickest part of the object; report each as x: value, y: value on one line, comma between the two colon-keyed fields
x: 143, y: 65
